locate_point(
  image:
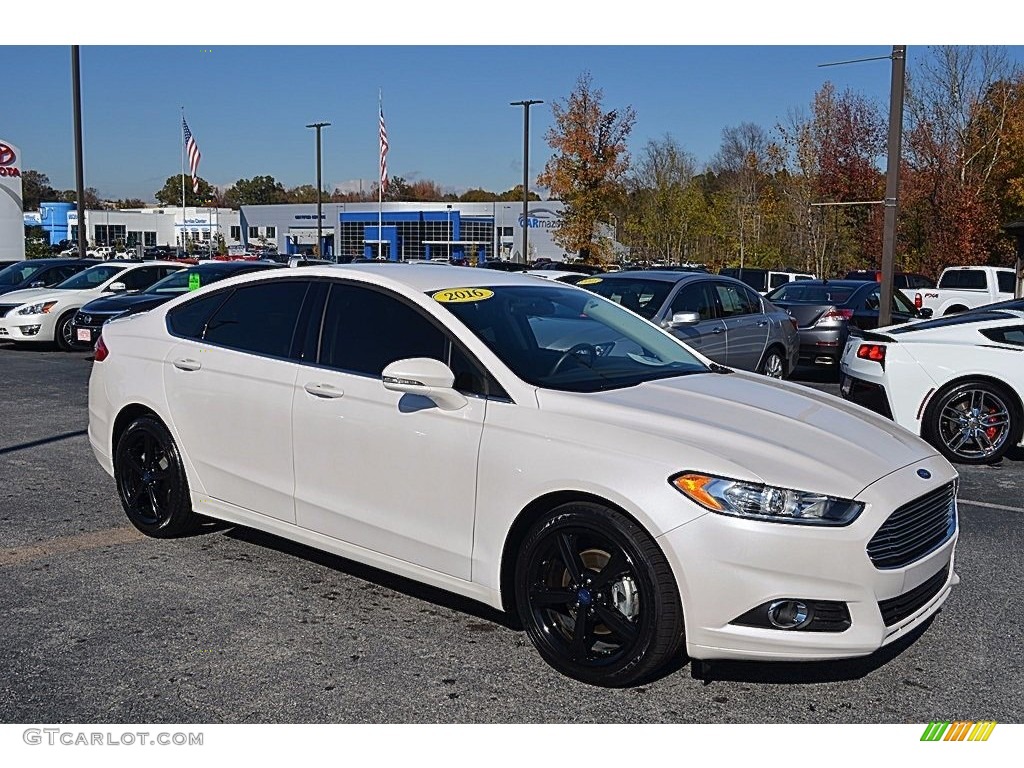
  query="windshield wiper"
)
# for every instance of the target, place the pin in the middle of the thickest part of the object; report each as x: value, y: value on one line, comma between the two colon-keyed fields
x: 716, y: 368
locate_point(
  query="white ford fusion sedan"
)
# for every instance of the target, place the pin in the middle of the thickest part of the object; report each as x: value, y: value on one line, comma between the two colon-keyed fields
x: 533, y: 446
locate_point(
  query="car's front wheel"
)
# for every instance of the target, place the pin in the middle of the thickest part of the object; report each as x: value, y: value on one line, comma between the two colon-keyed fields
x: 63, y: 333
x: 773, y: 365
x: 974, y: 422
x: 597, y: 596
x: 151, y: 480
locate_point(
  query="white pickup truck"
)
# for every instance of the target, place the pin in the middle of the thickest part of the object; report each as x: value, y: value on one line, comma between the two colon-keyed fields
x: 963, y: 288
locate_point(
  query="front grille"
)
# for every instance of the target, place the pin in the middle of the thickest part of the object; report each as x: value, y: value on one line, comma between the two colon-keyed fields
x: 915, y: 529
x: 895, y: 609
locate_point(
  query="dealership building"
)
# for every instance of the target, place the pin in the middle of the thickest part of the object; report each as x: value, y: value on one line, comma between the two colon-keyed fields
x: 403, y: 231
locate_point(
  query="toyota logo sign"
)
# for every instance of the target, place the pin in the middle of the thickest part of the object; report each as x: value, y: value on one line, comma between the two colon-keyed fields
x: 7, y: 156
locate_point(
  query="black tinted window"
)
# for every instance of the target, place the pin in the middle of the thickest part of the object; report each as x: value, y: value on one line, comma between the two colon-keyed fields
x: 365, y: 330
x: 1006, y: 335
x: 1006, y: 282
x: 190, y: 318
x: 969, y: 279
x: 645, y: 297
x: 140, y: 279
x: 755, y: 278
x: 258, y: 318
x: 734, y: 300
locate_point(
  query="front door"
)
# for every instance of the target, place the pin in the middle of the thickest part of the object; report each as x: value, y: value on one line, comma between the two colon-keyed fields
x: 707, y: 336
x: 389, y: 472
x: 746, y: 326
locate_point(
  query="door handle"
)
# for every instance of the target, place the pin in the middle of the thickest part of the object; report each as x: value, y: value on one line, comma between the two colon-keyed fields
x: 762, y: 323
x: 718, y: 330
x: 187, y: 364
x: 325, y: 391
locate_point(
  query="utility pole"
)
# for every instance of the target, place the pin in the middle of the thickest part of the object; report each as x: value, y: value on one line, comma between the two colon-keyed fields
x: 526, y: 166
x: 76, y: 79
x: 319, y: 192
x: 892, y: 181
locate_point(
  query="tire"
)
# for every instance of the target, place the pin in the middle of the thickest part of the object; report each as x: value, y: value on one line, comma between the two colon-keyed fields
x: 62, y: 333
x: 633, y: 620
x: 973, y: 422
x: 773, y: 365
x: 151, y: 480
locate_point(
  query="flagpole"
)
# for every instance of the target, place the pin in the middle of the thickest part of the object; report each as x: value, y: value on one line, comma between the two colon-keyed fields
x: 183, y: 179
x: 380, y: 182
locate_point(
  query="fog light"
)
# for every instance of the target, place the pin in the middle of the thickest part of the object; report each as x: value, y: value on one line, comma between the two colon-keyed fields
x: 788, y: 614
x: 29, y: 330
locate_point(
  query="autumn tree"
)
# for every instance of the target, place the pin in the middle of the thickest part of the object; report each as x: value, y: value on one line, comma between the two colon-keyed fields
x: 588, y: 166
x: 955, y: 140
x: 170, y: 193
x: 35, y: 189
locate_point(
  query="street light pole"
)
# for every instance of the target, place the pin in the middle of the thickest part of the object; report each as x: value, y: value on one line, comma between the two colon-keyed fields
x: 76, y: 79
x: 319, y: 191
x: 526, y: 165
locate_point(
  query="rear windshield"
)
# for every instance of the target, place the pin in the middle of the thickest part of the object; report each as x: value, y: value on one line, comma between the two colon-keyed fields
x: 964, y: 279
x: 802, y: 293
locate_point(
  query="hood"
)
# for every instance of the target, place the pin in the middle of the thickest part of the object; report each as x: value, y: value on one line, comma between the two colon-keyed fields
x: 33, y: 294
x: 124, y: 302
x: 749, y: 427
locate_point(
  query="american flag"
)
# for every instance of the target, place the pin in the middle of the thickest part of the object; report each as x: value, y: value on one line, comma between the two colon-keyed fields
x: 383, y: 153
x: 193, y: 155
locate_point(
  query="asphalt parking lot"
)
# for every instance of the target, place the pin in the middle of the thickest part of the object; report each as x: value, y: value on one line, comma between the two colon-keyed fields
x: 101, y: 625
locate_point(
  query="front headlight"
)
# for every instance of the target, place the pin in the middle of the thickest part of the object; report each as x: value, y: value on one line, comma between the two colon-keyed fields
x: 37, y: 309
x: 765, y: 502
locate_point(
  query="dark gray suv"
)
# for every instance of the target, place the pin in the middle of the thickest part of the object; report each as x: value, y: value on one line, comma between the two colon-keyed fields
x: 718, y: 316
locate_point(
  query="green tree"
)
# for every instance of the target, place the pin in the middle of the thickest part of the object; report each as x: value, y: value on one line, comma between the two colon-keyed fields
x: 477, y: 196
x: 515, y: 195
x: 586, y: 170
x: 129, y: 202
x: 259, y: 190
x: 170, y: 194
x: 35, y: 189
x: 305, y: 193
x: 92, y: 198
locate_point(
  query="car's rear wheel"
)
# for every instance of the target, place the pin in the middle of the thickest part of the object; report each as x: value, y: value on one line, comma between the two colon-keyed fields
x: 63, y: 333
x: 151, y: 480
x: 773, y: 365
x: 597, y: 596
x: 974, y: 422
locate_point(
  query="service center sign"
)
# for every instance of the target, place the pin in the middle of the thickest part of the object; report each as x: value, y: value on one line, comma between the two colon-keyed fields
x: 12, y: 220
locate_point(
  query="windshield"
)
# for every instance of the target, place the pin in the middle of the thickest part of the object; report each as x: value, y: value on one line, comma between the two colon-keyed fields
x: 91, y: 278
x: 16, y: 274
x: 562, y: 338
x: 641, y: 295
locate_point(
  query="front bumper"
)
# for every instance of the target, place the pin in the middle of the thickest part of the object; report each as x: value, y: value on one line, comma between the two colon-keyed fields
x: 27, y: 328
x: 727, y: 566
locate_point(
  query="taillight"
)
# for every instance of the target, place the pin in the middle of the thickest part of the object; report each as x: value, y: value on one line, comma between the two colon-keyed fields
x: 874, y: 352
x: 100, y: 353
x: 834, y: 316
x: 918, y: 301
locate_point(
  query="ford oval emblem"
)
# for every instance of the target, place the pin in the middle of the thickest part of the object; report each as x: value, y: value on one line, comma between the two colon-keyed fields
x: 924, y: 474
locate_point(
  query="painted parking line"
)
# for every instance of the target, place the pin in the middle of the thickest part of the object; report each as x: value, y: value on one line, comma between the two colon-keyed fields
x: 987, y: 505
x: 68, y: 544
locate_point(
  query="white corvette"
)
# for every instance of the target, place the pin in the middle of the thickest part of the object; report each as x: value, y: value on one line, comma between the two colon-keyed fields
x: 957, y: 381
x: 533, y: 446
x: 44, y: 315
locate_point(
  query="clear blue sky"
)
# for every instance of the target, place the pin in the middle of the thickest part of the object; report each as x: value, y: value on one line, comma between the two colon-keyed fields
x: 446, y: 106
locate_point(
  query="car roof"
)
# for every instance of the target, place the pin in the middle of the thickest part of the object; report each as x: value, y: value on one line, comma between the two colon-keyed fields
x: 839, y: 283
x: 663, y: 275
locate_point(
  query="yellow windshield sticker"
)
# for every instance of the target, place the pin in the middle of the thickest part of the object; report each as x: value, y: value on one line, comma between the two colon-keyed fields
x: 589, y: 281
x: 457, y: 295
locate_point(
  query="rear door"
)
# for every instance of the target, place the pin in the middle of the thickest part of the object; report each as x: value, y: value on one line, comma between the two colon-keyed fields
x: 746, y: 325
x: 229, y: 384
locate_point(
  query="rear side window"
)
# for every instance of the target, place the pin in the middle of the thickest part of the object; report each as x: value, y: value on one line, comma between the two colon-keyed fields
x: 696, y: 297
x: 735, y: 300
x: 755, y: 278
x: 189, y: 319
x: 964, y: 279
x: 778, y: 278
x: 258, y: 318
x: 1006, y: 282
x: 1006, y: 335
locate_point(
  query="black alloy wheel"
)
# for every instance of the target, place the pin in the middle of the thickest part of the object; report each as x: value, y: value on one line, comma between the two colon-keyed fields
x: 151, y: 480
x: 975, y: 422
x: 64, y: 334
x: 597, y: 596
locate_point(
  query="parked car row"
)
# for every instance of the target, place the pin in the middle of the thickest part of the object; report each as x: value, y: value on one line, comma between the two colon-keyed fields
x: 550, y: 453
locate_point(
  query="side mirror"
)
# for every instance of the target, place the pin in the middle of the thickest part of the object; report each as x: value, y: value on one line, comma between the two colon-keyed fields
x: 117, y: 287
x: 925, y: 312
x: 684, y: 318
x: 425, y: 377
